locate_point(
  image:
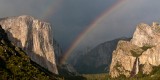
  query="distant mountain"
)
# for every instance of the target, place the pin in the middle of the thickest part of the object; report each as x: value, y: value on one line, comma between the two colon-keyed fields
x: 98, y: 59
x: 35, y: 37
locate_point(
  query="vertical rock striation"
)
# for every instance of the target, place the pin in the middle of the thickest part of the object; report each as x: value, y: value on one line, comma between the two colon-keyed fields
x: 34, y: 37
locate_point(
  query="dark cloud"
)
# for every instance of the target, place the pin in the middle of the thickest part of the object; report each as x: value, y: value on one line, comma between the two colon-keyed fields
x: 123, y: 21
x: 35, y: 8
x: 71, y: 17
x: 74, y: 16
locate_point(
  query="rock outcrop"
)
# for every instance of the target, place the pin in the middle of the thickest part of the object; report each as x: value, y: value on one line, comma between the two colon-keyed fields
x: 146, y: 35
x: 96, y: 60
x: 34, y: 37
x: 142, y: 51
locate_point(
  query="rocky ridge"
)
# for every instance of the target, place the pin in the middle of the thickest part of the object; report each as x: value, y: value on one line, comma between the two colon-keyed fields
x: 140, y: 55
x: 96, y: 60
x: 34, y: 37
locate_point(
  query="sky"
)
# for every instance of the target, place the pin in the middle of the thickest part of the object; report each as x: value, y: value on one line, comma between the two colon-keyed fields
x: 69, y: 18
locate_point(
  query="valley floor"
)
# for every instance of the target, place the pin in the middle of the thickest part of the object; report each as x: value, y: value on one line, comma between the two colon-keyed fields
x: 103, y: 76
x: 155, y: 75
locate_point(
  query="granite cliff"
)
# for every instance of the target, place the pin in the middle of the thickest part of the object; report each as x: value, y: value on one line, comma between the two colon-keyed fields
x: 139, y: 55
x: 34, y: 37
x: 16, y: 65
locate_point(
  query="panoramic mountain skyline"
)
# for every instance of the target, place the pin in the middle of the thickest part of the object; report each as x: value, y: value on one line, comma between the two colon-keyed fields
x: 70, y: 19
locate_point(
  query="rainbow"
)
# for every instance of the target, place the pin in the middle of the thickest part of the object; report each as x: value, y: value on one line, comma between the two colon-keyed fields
x: 83, y: 34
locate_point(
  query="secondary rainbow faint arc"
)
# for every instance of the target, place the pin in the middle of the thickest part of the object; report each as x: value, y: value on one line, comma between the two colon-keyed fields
x: 51, y: 9
x: 83, y: 34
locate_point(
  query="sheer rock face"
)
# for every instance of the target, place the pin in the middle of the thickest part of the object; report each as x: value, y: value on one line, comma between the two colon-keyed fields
x: 151, y: 56
x: 34, y: 37
x: 143, y: 49
x: 122, y: 60
x: 146, y: 35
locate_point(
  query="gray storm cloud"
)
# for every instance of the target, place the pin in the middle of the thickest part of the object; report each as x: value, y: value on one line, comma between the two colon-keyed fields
x: 68, y: 21
x: 123, y: 21
x: 35, y: 8
x: 73, y: 16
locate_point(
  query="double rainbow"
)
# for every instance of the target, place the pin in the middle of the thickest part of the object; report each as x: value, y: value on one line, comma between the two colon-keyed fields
x: 83, y: 34
x: 50, y: 10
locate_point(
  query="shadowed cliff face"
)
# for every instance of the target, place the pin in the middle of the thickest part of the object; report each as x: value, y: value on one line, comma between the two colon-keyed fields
x: 142, y: 51
x: 57, y: 51
x: 34, y: 37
